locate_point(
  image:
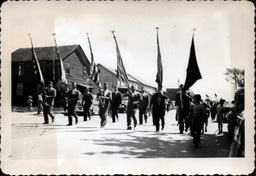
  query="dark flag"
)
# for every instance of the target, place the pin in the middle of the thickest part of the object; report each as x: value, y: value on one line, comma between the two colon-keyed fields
x: 193, y: 72
x: 121, y: 73
x: 159, y: 75
x: 37, y: 69
x: 62, y: 76
x: 94, y: 74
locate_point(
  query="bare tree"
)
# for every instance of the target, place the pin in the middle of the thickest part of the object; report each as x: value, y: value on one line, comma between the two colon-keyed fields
x: 235, y: 76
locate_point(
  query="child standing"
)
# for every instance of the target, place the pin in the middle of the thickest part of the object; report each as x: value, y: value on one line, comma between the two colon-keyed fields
x: 30, y: 103
x: 206, y: 116
x: 220, y: 115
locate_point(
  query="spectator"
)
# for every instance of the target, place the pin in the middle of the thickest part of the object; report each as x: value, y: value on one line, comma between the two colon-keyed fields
x: 40, y: 102
x: 220, y: 116
x: 213, y: 110
x: 30, y: 103
x: 206, y: 116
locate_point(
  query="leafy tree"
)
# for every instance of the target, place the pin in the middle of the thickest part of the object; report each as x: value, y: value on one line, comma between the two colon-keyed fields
x: 235, y: 76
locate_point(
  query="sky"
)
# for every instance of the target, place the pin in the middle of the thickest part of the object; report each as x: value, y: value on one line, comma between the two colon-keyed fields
x: 223, y: 36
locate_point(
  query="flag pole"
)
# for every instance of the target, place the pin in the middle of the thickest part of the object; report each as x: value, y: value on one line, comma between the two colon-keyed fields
x: 159, y: 75
x: 193, y: 72
x: 93, y: 72
x: 63, y: 77
x: 194, y: 29
x: 30, y: 40
x: 37, y: 62
x: 121, y: 73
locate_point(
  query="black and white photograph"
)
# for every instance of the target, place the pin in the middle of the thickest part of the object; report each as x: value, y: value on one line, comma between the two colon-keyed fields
x: 127, y: 87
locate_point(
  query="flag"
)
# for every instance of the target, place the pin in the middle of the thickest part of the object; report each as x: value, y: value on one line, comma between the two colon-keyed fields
x: 159, y: 75
x: 121, y: 73
x: 62, y: 76
x: 36, y: 65
x: 94, y: 74
x: 193, y: 72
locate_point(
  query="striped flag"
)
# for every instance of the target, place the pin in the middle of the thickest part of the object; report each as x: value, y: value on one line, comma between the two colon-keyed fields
x: 159, y: 75
x: 62, y: 76
x: 193, y: 72
x: 36, y: 65
x: 121, y: 73
x: 94, y: 74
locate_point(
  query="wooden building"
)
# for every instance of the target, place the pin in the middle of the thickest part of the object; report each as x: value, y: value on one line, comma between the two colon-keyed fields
x: 25, y: 82
x: 108, y: 75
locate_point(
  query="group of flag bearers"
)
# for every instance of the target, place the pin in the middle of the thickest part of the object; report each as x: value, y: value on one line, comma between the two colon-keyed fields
x: 157, y: 101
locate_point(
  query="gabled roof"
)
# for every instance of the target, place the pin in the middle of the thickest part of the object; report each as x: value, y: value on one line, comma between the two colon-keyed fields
x: 130, y: 77
x: 142, y: 81
x: 111, y: 70
x: 47, y: 53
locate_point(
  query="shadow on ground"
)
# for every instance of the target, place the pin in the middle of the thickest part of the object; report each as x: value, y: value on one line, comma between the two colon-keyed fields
x: 155, y: 146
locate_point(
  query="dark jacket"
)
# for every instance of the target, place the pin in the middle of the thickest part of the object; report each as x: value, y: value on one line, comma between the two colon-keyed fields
x: 184, y: 103
x: 87, y: 100
x: 73, y: 97
x: 116, y: 99
x: 158, y: 105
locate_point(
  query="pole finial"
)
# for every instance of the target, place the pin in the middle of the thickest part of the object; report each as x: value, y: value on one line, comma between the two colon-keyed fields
x: 194, y: 29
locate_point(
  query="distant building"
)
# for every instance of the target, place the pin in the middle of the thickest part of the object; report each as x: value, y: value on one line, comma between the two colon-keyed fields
x: 108, y: 75
x: 142, y: 83
x: 25, y: 83
x: 76, y: 66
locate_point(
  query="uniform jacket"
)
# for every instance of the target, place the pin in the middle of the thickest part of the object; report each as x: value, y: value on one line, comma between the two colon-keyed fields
x: 116, y: 99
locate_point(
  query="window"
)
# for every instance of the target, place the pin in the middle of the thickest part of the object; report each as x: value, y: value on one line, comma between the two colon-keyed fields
x: 67, y: 68
x: 19, y: 90
x: 20, y: 69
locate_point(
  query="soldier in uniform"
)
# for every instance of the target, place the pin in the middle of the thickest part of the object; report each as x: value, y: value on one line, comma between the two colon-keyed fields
x: 49, y: 96
x: 158, y: 105
x: 115, y: 102
x: 73, y: 97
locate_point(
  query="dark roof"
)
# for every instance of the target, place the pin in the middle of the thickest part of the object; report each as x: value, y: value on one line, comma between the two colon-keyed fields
x: 44, y: 53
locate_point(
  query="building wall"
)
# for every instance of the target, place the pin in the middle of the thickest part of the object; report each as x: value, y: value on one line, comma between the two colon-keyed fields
x: 108, y: 77
x: 30, y: 81
x: 76, y: 70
